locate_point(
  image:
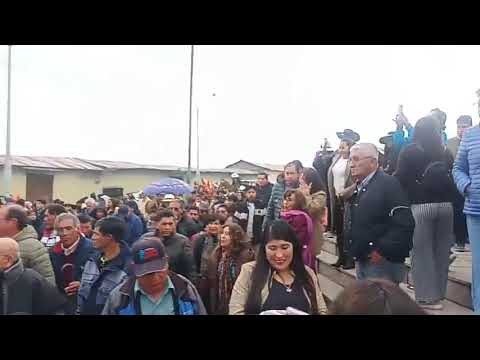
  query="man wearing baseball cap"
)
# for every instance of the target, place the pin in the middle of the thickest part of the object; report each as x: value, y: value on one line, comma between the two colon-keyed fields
x: 153, y: 289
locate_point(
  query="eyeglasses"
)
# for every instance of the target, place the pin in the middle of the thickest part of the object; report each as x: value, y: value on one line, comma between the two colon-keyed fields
x: 357, y: 159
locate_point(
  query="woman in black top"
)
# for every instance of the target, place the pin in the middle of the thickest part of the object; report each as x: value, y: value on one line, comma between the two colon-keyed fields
x: 424, y: 170
x: 278, y: 279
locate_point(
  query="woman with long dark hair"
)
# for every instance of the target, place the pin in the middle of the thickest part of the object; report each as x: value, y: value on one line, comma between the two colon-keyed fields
x: 278, y: 278
x: 424, y: 170
x: 112, y: 205
x: 224, y: 266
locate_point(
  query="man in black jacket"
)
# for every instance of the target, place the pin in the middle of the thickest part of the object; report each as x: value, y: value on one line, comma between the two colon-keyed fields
x: 185, y: 226
x: 249, y: 215
x: 178, y: 247
x: 24, y: 291
x: 263, y: 188
x: 379, y: 222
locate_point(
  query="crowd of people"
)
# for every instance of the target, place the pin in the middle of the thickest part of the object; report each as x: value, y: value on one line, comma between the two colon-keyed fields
x: 233, y: 248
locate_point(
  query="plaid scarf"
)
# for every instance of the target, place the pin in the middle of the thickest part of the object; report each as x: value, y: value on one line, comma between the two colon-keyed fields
x: 226, y: 279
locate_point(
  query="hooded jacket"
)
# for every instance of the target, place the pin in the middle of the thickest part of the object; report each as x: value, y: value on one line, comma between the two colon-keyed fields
x: 33, y: 254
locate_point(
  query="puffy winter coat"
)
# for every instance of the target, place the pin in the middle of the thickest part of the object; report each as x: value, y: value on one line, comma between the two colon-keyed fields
x: 33, y: 254
x: 466, y: 170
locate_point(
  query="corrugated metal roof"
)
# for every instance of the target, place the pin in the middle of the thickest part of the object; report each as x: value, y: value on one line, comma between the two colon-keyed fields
x: 272, y: 167
x: 124, y: 165
x: 262, y: 165
x: 51, y: 162
x: 229, y: 171
x: 67, y: 163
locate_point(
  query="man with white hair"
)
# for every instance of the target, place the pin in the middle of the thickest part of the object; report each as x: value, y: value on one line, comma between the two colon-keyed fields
x: 91, y: 206
x: 380, y: 223
x: 24, y: 291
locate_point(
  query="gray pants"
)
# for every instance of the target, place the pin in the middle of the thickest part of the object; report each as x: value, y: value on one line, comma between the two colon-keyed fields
x: 432, y: 239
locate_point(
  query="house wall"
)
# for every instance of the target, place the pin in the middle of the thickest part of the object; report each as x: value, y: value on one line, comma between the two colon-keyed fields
x: 72, y: 185
x: 241, y: 165
x: 18, y: 184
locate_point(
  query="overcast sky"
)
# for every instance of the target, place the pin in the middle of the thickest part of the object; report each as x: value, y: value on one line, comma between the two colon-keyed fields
x: 272, y: 104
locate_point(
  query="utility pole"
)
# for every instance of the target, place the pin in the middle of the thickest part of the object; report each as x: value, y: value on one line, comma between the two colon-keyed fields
x: 189, y: 170
x: 198, y: 147
x: 7, y: 166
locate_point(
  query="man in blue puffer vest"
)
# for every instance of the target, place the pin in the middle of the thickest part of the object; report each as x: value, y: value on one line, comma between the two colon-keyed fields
x: 153, y: 289
x: 466, y: 172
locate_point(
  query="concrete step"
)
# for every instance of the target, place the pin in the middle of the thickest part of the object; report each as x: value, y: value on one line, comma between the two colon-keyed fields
x: 459, y: 276
x: 333, y: 281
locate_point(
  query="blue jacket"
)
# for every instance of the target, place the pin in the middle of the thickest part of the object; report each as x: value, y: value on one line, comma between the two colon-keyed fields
x: 96, y: 284
x: 135, y: 228
x: 399, y: 139
x: 466, y: 170
x: 124, y: 301
x: 274, y: 206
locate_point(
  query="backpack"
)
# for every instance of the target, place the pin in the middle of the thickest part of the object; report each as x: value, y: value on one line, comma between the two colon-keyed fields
x: 436, y: 177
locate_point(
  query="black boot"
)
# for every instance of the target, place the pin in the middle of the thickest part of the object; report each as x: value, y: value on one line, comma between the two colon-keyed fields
x: 348, y: 263
x: 340, y: 262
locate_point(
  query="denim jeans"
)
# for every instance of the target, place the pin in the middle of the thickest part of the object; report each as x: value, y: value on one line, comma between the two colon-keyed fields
x: 388, y: 270
x: 473, y: 224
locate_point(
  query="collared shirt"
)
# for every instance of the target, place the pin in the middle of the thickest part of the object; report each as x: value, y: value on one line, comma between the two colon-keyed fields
x: 366, y: 181
x: 162, y: 306
x: 71, y: 249
x: 251, y: 213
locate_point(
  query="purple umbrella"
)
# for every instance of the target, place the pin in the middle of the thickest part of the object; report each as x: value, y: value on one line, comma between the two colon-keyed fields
x: 168, y: 186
